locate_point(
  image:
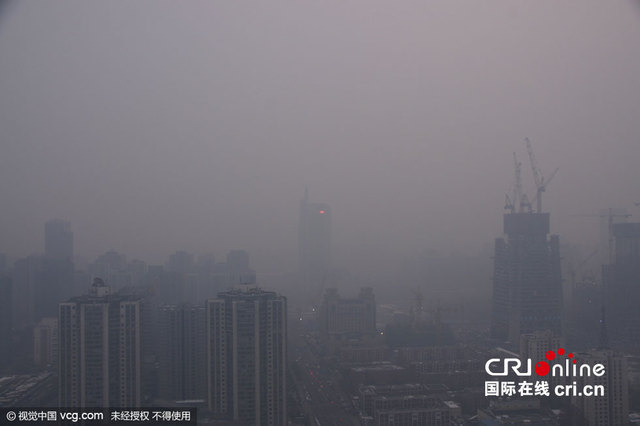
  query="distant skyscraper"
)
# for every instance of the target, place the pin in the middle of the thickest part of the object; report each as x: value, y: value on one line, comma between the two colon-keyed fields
x: 527, y: 283
x: 238, y: 268
x: 621, y: 288
x: 314, y: 241
x: 39, y: 284
x: 58, y: 240
x: 26, y: 282
x: 182, y: 355
x: 246, y: 355
x: 100, y: 349
x: 180, y: 261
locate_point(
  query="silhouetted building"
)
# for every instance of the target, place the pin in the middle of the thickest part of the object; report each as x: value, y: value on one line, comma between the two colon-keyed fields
x: 587, y: 300
x: 407, y: 404
x: 180, y: 261
x: 6, y: 320
x: 517, y: 411
x: 345, y: 318
x: 238, y: 268
x: 246, y: 355
x: 25, y: 277
x: 117, y: 272
x: 101, y: 349
x: 456, y: 366
x: 536, y: 345
x: 45, y: 343
x: 314, y: 242
x: 622, y: 289
x: 527, y: 281
x: 40, y: 283
x: 54, y: 283
x: 182, y: 353
x: 609, y: 409
x: 58, y: 240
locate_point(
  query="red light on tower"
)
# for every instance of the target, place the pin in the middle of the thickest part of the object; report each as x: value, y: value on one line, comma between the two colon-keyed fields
x: 322, y: 212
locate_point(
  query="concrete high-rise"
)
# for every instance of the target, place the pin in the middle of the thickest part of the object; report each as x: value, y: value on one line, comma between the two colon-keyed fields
x: 39, y: 284
x: 238, y: 268
x: 246, y: 356
x: 45, y: 343
x: 527, y: 281
x: 621, y: 289
x: 58, y: 240
x: 536, y: 345
x: 610, y: 408
x: 182, y: 353
x: 100, y: 340
x: 314, y: 241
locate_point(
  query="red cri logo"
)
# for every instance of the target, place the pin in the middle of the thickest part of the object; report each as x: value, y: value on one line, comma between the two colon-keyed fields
x: 523, y: 368
x: 542, y: 368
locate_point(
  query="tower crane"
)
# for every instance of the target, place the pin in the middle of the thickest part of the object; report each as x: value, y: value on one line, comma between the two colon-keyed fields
x: 517, y: 199
x: 538, y: 193
x: 541, y: 185
x: 510, y: 203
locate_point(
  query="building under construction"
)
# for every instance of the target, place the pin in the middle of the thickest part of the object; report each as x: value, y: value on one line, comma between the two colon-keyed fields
x: 527, y: 282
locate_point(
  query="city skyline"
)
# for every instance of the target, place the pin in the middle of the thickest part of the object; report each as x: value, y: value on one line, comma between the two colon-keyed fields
x: 320, y: 213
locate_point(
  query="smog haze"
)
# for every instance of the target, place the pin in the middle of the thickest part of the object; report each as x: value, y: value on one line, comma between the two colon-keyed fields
x: 158, y: 126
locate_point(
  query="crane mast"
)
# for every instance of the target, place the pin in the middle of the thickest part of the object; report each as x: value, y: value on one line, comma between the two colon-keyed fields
x: 538, y: 177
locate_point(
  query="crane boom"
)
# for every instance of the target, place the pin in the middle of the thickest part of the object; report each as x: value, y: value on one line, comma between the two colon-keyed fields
x: 541, y: 185
x: 535, y: 199
x: 537, y: 176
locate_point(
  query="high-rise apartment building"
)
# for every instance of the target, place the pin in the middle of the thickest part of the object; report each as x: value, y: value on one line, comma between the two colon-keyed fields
x: 182, y: 353
x: 246, y: 356
x: 611, y: 408
x: 314, y: 241
x: 58, y: 240
x: 100, y: 340
x: 527, y: 281
x: 536, y: 345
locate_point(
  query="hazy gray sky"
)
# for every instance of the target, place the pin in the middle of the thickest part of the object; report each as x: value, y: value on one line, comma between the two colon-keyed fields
x: 159, y: 125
